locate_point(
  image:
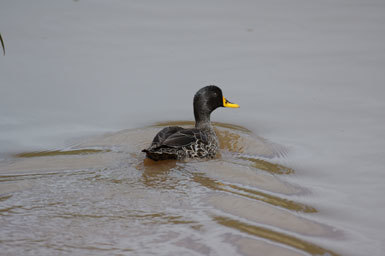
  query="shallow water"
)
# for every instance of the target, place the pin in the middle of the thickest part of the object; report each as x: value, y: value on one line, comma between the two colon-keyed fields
x: 301, y: 168
x: 101, y: 196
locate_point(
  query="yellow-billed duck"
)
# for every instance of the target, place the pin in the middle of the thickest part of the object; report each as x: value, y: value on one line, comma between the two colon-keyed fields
x: 175, y: 142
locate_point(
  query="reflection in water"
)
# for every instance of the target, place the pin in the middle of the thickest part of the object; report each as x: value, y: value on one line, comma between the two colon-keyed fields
x: 61, y: 152
x: 252, y: 194
x: 106, y: 196
x: 155, y: 174
x: 267, y: 166
x: 273, y: 236
x: 6, y: 197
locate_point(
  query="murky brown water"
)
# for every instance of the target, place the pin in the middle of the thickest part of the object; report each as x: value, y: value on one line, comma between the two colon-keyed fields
x: 102, y: 197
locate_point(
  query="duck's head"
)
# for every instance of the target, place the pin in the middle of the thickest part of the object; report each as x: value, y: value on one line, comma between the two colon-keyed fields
x: 206, y: 100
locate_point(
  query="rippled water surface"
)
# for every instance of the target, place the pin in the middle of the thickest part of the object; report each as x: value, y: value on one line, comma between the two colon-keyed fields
x: 86, y: 84
x: 102, y: 196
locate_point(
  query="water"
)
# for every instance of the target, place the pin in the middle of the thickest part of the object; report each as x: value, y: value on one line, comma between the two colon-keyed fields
x: 85, y: 85
x: 108, y: 199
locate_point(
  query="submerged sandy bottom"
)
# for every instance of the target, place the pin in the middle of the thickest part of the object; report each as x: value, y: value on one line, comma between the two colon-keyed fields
x: 102, y: 196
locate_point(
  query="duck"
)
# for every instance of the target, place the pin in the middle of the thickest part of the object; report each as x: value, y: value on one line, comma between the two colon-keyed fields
x: 200, y: 142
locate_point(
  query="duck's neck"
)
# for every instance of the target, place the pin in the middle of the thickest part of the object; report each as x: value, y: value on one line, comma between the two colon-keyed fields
x: 205, y: 125
x: 202, y: 120
x: 202, y: 114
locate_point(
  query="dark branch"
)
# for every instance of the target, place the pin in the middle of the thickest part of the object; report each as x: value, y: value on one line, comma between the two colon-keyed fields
x: 2, y: 44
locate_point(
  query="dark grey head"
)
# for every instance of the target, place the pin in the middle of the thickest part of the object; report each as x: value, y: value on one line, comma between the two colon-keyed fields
x: 206, y: 100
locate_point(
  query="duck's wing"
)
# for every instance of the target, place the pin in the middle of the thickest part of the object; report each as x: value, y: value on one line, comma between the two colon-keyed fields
x: 161, y: 136
x: 185, y: 137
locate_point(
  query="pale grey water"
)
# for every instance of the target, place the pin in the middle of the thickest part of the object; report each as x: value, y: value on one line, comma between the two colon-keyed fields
x: 309, y: 76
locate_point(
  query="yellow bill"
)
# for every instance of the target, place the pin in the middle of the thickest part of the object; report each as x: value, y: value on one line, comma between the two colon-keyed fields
x: 229, y: 104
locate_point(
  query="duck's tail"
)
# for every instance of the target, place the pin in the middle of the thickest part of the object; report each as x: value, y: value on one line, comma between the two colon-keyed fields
x: 157, y: 155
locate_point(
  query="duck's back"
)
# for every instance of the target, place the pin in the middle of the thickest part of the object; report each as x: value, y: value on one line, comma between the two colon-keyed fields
x: 178, y: 143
